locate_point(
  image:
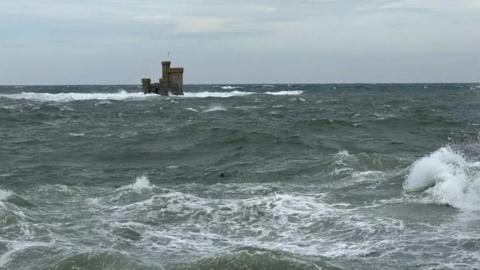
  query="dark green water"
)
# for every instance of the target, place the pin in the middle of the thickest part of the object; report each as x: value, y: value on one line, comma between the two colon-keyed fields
x: 244, y: 177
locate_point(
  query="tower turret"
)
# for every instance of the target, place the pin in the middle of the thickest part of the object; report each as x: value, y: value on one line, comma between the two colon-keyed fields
x: 165, y: 69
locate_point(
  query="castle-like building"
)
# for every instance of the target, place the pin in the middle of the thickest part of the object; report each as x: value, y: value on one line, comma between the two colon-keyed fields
x: 170, y: 83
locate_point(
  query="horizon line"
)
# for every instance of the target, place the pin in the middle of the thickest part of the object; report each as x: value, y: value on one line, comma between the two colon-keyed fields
x: 264, y: 83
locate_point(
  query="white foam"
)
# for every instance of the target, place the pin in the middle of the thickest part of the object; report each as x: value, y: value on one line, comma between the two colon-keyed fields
x: 450, y: 178
x: 285, y: 205
x: 207, y: 94
x: 4, y: 194
x: 191, y: 109
x: 123, y: 95
x: 67, y: 108
x: 76, y: 134
x: 228, y: 87
x: 103, y: 102
x: 265, y: 219
x: 67, y: 97
x: 343, y: 162
x: 246, y: 108
x: 94, y: 202
x: 141, y: 183
x: 215, y: 108
x: 285, y: 93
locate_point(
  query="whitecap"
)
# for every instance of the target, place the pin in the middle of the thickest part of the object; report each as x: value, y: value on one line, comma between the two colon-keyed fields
x: 246, y: 108
x: 103, y: 102
x: 76, y: 134
x: 67, y: 97
x: 191, y: 109
x: 93, y: 201
x: 285, y: 93
x: 449, y: 177
x: 215, y: 108
x: 229, y: 87
x: 207, y: 94
x: 382, y: 116
x: 141, y: 183
x: 4, y: 194
x: 66, y: 108
x: 343, y: 163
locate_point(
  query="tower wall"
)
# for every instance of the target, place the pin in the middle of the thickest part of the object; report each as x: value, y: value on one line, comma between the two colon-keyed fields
x: 163, y: 87
x: 146, y: 85
x: 175, y: 81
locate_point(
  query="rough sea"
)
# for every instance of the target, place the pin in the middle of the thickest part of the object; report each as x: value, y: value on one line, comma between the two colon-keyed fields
x: 367, y: 176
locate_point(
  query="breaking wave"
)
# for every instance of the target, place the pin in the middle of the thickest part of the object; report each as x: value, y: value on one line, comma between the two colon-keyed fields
x: 66, y: 97
x: 141, y: 183
x: 4, y: 194
x: 123, y: 95
x: 229, y: 87
x: 237, y: 93
x: 285, y: 93
x: 207, y: 94
x: 215, y: 108
x: 449, y: 177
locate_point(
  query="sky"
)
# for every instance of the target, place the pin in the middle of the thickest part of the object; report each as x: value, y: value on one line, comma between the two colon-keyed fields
x: 239, y: 41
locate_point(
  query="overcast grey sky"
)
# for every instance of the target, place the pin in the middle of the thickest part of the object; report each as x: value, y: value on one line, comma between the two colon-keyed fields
x: 240, y: 41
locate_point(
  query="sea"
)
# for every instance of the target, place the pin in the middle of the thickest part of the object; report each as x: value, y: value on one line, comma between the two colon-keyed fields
x: 265, y: 176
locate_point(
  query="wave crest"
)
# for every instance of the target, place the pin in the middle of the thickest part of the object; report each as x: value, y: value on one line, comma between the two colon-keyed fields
x: 449, y: 177
x: 141, y: 183
x: 285, y: 93
x: 229, y: 87
x: 215, y: 108
x: 124, y: 95
x: 67, y: 97
x: 206, y: 94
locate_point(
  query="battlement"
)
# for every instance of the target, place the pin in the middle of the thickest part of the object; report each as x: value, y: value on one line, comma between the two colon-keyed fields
x: 176, y: 70
x: 171, y: 81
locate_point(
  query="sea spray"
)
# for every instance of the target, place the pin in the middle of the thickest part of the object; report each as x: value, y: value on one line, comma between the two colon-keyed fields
x: 141, y: 183
x: 449, y: 177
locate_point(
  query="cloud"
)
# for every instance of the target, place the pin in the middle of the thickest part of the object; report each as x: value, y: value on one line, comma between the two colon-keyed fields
x: 186, y: 25
x: 318, y: 37
x: 153, y: 19
x: 202, y: 24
